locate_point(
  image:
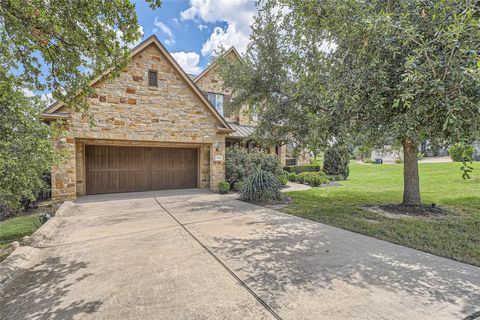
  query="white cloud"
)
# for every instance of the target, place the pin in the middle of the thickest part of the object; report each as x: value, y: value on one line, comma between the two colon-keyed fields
x: 202, y: 27
x: 131, y: 44
x: 238, y: 14
x: 28, y: 93
x: 165, y: 30
x: 188, y: 61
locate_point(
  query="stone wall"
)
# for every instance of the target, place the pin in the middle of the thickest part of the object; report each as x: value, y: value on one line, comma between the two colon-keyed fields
x: 213, y: 82
x: 127, y: 111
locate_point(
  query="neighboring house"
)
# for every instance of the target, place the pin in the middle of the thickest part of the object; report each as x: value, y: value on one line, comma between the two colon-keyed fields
x: 155, y: 128
x: 388, y: 154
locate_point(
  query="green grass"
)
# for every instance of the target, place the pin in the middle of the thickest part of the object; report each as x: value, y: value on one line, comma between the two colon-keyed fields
x: 456, y: 236
x: 15, y: 229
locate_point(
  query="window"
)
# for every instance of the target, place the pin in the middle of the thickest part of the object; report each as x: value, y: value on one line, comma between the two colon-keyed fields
x: 152, y: 78
x: 217, y: 101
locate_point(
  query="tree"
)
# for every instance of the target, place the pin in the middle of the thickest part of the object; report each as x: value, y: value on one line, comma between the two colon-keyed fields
x: 402, y: 70
x: 57, y: 47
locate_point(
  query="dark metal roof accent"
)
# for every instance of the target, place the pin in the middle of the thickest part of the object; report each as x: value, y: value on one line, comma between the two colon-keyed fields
x: 241, y: 131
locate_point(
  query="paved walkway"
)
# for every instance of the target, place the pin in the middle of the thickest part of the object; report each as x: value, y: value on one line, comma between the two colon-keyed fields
x: 197, y: 255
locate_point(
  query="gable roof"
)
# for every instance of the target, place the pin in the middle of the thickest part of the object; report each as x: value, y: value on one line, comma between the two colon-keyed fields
x: 50, y: 111
x: 214, y: 63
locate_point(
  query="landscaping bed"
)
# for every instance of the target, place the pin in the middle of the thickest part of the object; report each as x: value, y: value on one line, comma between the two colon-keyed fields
x: 454, y: 233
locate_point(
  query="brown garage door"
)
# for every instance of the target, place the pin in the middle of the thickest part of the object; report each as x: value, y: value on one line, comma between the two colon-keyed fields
x: 125, y: 169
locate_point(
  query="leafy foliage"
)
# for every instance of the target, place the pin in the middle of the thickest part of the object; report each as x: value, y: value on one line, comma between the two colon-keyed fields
x: 239, y: 163
x: 405, y: 71
x: 303, y: 168
x: 26, y: 151
x: 461, y: 152
x: 283, y: 178
x: 238, y: 186
x: 223, y: 187
x: 261, y: 187
x: 312, y: 178
x: 292, y: 177
x: 335, y: 162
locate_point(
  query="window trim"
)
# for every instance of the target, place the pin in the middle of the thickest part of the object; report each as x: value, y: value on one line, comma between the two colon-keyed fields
x: 222, y: 113
x: 150, y: 71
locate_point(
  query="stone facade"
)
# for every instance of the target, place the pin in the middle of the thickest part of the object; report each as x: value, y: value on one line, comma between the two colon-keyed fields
x: 128, y: 112
x: 211, y: 81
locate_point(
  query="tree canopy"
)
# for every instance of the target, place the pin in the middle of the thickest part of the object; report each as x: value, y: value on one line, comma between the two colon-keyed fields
x: 402, y: 70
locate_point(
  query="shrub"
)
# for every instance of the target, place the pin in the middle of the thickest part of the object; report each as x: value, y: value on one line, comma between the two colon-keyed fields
x: 368, y: 160
x: 260, y: 187
x: 239, y: 164
x: 292, y: 177
x: 461, y: 152
x: 420, y: 156
x: 336, y: 178
x: 336, y: 160
x: 316, y: 181
x: 283, y: 178
x: 303, y: 168
x: 238, y: 186
x: 312, y: 177
x: 223, y: 187
x: 398, y: 161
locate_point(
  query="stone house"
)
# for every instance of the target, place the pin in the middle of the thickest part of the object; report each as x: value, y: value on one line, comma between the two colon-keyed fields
x: 155, y: 128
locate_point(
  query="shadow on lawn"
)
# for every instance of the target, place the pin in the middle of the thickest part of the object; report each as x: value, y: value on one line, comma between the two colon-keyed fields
x: 278, y: 253
x: 39, y: 292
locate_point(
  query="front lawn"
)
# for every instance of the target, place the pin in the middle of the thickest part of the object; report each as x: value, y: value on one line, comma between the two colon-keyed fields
x: 15, y: 229
x: 456, y: 236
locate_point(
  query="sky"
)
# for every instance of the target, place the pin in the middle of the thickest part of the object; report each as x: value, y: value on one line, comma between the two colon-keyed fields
x: 192, y: 29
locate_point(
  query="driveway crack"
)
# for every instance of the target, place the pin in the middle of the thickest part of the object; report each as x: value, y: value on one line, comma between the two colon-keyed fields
x: 214, y: 256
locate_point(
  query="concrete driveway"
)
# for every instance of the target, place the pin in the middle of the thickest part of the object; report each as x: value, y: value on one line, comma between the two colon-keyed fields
x: 196, y: 255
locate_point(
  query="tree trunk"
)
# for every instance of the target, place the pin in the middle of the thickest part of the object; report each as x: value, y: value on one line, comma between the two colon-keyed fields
x: 411, y: 181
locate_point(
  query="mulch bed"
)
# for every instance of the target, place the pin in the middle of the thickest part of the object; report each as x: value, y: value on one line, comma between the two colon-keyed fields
x: 399, y: 210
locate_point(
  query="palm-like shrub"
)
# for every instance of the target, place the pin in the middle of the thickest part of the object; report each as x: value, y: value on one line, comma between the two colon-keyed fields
x: 261, y: 187
x: 336, y: 159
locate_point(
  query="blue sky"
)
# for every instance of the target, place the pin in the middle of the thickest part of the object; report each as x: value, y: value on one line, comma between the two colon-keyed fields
x: 192, y: 29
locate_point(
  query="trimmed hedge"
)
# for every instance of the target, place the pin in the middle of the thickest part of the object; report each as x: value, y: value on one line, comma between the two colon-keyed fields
x: 312, y: 178
x: 303, y: 168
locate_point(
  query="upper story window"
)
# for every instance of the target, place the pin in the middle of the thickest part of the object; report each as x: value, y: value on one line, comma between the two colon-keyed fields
x: 152, y: 78
x: 217, y: 101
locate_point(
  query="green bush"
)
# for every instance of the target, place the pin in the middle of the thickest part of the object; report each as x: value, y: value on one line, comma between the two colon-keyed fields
x: 420, y: 156
x: 238, y: 186
x: 312, y: 177
x: 398, y: 161
x: 368, y: 160
x: 303, y: 168
x: 283, y: 178
x: 461, y: 152
x: 223, y: 187
x: 239, y: 164
x: 261, y: 187
x: 335, y: 178
x: 292, y: 177
x: 335, y: 161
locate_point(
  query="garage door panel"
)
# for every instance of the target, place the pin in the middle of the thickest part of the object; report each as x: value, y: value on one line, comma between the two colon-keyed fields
x: 126, y: 169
